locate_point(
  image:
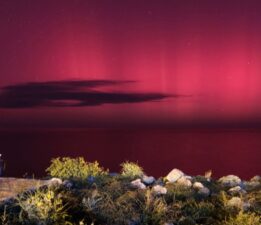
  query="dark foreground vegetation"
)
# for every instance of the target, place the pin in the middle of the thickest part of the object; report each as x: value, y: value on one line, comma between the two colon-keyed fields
x: 84, y: 193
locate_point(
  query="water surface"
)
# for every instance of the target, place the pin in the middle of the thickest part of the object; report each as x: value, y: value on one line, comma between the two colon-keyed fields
x: 231, y: 151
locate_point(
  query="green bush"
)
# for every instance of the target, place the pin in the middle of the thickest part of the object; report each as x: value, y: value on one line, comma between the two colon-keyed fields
x: 255, y: 199
x: 131, y: 170
x: 42, y: 207
x: 154, y: 210
x: 200, y: 212
x: 244, y: 219
x: 178, y: 193
x: 102, y: 208
x: 67, y: 168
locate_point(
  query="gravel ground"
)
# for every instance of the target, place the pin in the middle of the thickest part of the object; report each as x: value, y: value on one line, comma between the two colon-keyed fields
x: 10, y: 187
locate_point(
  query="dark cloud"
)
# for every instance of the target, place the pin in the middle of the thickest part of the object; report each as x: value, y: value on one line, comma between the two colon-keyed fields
x: 69, y: 94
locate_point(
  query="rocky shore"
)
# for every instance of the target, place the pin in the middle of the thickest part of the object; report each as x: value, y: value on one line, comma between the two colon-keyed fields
x: 113, y: 198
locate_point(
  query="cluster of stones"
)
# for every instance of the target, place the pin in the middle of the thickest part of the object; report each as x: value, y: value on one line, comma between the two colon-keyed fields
x: 233, y: 184
x: 236, y: 186
x: 175, y: 176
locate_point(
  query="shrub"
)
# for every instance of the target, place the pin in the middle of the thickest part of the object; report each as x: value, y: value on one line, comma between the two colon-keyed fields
x: 42, y: 207
x: 131, y: 170
x: 244, y: 219
x: 186, y: 221
x: 115, y: 187
x: 178, y: 193
x: 66, y: 168
x: 154, y: 210
x: 200, y: 212
x: 103, y: 209
x: 255, y: 199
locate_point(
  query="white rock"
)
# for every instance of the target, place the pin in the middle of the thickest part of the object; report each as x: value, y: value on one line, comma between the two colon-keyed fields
x: 198, y: 185
x: 54, y: 182
x: 174, y: 175
x: 204, y: 191
x: 148, y: 180
x: 159, y: 190
x: 236, y: 190
x: 183, y: 181
x: 235, y: 202
x: 230, y: 181
x: 138, y: 184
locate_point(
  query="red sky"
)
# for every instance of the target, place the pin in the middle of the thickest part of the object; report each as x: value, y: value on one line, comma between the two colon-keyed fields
x: 205, y: 52
x: 131, y: 64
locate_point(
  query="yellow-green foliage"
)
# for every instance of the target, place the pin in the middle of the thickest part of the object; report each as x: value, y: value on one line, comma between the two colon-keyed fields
x: 42, y: 207
x: 131, y: 170
x: 154, y: 209
x: 244, y: 219
x: 100, y: 206
x: 198, y: 211
x: 66, y: 168
x: 137, y: 207
x: 255, y: 198
x: 178, y: 192
x: 116, y: 187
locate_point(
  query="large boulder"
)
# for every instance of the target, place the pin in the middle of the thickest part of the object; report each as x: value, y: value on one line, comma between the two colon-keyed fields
x: 230, y: 181
x: 174, y: 175
x: 138, y: 184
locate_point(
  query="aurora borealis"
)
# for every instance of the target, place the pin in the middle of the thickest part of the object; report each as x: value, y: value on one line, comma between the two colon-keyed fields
x: 208, y: 51
x: 170, y: 64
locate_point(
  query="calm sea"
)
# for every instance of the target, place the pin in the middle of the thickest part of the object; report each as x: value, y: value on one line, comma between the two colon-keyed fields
x: 231, y: 151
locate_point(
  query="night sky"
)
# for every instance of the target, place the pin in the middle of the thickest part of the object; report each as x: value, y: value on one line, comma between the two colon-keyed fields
x: 129, y: 68
x: 192, y: 62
